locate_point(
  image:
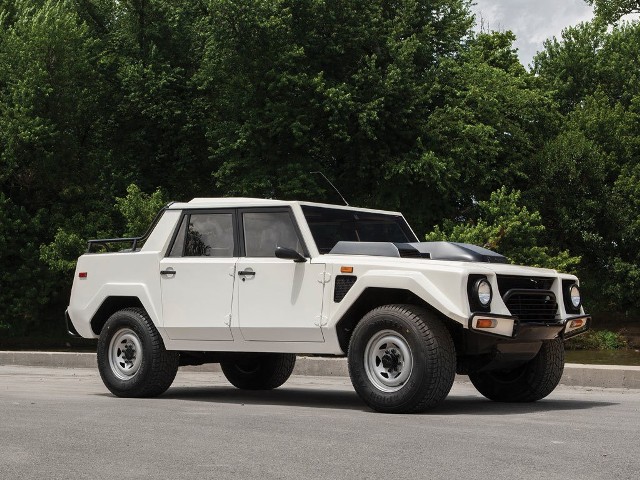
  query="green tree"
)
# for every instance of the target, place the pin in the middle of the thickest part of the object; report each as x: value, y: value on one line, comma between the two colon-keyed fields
x: 503, y: 224
x: 150, y: 51
x: 591, y: 72
x: 342, y: 87
x: 624, y: 262
x: 491, y: 119
x: 49, y: 90
x: 610, y: 11
x: 139, y: 209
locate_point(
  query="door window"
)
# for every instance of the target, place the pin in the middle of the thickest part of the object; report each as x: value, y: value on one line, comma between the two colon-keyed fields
x: 204, y: 235
x: 264, y: 231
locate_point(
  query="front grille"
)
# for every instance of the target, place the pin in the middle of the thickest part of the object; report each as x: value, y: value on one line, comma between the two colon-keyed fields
x: 342, y: 286
x: 532, y: 305
x: 509, y: 282
x: 529, y: 298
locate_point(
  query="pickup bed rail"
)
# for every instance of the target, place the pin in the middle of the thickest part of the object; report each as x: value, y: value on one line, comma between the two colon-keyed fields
x: 92, y: 245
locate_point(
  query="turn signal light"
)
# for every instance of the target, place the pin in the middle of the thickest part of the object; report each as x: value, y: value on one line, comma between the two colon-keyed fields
x: 576, y: 323
x: 346, y: 269
x: 486, y: 323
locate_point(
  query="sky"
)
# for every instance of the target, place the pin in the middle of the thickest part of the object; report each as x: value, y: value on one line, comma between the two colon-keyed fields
x: 532, y: 21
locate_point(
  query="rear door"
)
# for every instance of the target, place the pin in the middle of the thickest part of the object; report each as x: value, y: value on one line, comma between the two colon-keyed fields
x: 198, y: 275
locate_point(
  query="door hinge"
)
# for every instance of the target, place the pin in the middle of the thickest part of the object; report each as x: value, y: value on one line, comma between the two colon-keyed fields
x: 321, y: 321
x: 324, y: 277
x: 228, y: 321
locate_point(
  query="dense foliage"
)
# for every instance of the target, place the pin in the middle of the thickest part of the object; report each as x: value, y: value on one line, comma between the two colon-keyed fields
x: 109, y: 108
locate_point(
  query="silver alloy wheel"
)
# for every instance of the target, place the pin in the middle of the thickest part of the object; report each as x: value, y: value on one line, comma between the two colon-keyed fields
x: 125, y: 354
x: 388, y: 361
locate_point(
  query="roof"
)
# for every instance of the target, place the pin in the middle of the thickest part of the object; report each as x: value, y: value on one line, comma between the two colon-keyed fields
x: 241, y: 202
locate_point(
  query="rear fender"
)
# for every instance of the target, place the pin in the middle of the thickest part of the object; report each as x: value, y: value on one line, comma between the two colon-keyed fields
x: 82, y: 315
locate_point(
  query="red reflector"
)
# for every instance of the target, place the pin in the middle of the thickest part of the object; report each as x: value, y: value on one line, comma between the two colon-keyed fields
x: 82, y: 275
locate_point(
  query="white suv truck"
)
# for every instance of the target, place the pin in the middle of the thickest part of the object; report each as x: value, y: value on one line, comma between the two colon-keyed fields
x: 250, y: 283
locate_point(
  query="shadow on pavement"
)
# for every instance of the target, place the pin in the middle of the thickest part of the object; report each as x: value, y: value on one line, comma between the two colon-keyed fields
x: 465, y: 405
x: 349, y: 400
x: 282, y: 396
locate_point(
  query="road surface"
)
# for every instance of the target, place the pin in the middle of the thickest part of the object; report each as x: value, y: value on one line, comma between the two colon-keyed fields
x: 60, y: 423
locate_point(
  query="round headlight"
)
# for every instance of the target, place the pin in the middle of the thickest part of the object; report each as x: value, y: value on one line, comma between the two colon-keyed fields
x: 574, y: 296
x: 483, y: 292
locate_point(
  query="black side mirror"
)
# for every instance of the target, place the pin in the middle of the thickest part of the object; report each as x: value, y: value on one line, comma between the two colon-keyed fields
x: 289, y: 254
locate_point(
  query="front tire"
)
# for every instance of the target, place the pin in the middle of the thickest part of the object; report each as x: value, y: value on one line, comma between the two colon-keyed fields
x: 264, y: 371
x: 527, y: 383
x: 132, y: 359
x: 401, y: 359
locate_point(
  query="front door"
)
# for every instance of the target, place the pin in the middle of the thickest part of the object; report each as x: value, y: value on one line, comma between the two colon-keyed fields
x: 197, y: 278
x: 278, y: 300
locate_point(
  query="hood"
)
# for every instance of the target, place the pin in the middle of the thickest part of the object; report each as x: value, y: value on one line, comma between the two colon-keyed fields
x: 449, y: 251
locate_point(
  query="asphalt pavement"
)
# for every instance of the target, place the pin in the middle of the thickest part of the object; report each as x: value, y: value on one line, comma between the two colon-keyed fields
x: 62, y: 423
x: 611, y: 376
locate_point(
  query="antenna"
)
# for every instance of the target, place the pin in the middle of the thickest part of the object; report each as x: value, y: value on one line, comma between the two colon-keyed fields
x: 334, y: 187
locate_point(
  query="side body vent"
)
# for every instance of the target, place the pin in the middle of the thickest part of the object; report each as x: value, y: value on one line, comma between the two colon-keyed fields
x: 342, y: 286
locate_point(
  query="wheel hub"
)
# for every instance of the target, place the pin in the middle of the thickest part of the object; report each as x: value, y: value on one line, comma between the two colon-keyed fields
x: 129, y: 352
x: 390, y: 359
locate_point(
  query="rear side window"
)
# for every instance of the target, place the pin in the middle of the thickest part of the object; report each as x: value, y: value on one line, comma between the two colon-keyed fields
x: 204, y: 235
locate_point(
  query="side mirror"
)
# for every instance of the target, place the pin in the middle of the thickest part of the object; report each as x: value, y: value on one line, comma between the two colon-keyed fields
x: 289, y: 254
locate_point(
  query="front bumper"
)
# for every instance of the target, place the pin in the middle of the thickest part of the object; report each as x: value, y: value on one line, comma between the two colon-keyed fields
x: 510, y: 327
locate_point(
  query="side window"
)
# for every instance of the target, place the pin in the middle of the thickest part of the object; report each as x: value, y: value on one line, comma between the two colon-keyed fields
x: 178, y: 243
x: 264, y: 231
x: 204, y: 235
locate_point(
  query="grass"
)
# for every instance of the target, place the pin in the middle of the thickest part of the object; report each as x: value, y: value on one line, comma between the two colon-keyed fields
x: 598, y: 340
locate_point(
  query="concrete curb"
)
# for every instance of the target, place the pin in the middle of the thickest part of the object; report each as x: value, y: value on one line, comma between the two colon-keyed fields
x: 599, y: 376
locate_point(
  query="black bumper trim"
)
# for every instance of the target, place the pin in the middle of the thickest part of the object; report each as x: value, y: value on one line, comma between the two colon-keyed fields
x: 71, y: 330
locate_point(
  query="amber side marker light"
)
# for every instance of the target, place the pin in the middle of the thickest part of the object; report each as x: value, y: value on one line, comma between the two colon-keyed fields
x: 576, y: 323
x: 346, y: 269
x: 82, y: 274
x: 486, y: 323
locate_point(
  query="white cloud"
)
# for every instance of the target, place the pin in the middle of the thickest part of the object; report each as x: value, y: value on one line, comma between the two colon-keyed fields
x: 532, y: 21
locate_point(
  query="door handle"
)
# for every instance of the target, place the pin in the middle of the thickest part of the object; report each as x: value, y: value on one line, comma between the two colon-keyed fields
x: 167, y: 272
x: 243, y: 273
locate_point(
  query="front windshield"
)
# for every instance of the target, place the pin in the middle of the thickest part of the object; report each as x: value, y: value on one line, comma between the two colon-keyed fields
x: 332, y: 225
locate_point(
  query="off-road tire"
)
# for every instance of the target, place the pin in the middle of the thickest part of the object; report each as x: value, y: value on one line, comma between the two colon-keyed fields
x: 426, y: 344
x: 263, y: 371
x: 155, y: 367
x: 528, y: 383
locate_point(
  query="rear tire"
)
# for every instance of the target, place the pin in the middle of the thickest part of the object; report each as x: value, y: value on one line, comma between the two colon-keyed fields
x: 528, y: 383
x: 132, y: 359
x: 401, y: 359
x: 264, y: 371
